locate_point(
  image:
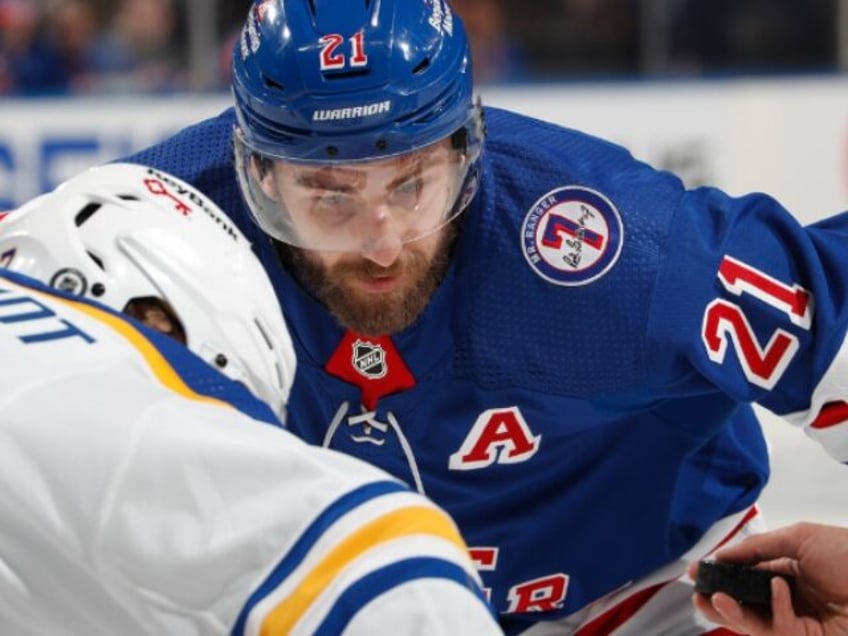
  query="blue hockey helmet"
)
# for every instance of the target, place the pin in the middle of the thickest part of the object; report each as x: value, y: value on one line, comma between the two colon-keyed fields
x: 325, y: 83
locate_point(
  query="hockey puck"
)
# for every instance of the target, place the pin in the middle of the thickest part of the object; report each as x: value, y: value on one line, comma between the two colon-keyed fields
x: 744, y: 583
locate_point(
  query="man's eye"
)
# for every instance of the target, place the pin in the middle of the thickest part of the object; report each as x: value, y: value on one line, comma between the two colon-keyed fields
x: 413, y: 186
x: 334, y: 208
x: 408, y: 192
x: 333, y: 199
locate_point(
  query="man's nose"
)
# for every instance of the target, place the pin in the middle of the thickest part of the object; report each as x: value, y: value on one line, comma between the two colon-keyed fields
x: 385, y: 242
x: 384, y: 257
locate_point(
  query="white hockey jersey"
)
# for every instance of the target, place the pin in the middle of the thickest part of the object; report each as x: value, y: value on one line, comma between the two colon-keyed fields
x: 137, y: 497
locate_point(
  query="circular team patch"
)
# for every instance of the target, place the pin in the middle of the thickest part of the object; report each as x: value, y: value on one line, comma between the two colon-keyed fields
x: 572, y: 236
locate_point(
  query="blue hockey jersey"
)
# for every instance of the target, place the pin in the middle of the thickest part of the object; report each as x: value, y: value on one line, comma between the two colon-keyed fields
x: 577, y: 392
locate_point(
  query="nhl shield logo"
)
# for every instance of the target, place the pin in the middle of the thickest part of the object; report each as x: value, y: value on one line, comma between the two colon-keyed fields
x: 70, y: 281
x: 369, y: 360
x: 572, y: 236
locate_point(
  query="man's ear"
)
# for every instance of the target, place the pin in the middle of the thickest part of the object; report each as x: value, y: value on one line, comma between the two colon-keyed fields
x: 262, y: 172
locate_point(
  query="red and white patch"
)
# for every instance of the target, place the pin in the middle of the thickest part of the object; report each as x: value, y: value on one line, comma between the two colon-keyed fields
x: 572, y: 236
x: 372, y: 364
x: 498, y: 436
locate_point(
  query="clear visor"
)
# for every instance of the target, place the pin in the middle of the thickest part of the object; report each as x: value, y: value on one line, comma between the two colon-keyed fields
x: 356, y: 206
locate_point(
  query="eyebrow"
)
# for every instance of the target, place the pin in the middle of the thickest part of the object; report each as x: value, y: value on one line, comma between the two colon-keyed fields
x: 323, y: 178
x: 410, y: 173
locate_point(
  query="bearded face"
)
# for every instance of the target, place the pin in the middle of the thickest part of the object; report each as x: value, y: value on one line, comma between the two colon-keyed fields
x: 376, y: 294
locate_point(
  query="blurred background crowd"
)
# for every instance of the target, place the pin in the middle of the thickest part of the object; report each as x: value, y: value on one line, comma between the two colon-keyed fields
x: 60, y: 47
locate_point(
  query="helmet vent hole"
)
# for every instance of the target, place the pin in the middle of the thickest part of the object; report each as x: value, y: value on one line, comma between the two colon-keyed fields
x: 264, y: 334
x: 346, y: 74
x: 128, y: 197
x: 422, y: 66
x: 86, y: 213
x: 272, y: 83
x: 97, y: 260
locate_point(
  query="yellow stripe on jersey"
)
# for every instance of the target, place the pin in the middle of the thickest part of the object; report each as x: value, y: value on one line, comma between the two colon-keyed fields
x: 160, y: 366
x: 394, y: 525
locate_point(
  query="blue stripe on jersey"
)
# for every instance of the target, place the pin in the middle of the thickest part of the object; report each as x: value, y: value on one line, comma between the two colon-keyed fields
x: 316, y: 529
x: 369, y: 587
x: 199, y: 376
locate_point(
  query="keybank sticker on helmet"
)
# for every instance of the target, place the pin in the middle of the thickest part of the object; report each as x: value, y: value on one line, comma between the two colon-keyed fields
x: 441, y: 18
x: 161, y: 184
x: 158, y: 188
x: 572, y: 236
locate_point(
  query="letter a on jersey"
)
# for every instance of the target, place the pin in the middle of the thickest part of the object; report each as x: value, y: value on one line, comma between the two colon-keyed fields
x: 498, y: 435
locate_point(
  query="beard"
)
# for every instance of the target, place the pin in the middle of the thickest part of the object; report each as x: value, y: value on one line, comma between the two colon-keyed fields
x: 374, y: 314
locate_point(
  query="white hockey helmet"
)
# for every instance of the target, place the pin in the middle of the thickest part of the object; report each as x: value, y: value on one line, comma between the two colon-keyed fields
x: 124, y: 233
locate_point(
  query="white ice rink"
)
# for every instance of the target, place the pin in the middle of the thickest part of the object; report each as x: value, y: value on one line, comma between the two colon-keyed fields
x: 806, y: 483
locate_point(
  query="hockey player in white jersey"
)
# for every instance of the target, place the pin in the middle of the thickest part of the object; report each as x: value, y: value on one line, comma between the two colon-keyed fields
x: 141, y: 491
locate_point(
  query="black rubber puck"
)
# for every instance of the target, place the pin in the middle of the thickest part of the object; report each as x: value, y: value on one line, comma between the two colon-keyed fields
x: 744, y: 583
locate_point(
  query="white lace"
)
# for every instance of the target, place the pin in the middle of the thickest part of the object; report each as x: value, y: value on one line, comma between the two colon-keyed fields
x: 369, y: 417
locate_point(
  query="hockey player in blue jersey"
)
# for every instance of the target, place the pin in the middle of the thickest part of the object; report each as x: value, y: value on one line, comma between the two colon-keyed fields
x: 142, y: 491
x: 551, y: 339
